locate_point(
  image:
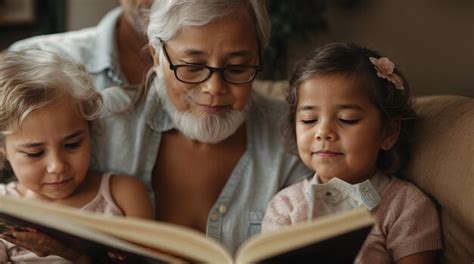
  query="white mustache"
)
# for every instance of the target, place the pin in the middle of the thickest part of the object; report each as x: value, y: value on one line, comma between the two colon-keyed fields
x: 194, y: 96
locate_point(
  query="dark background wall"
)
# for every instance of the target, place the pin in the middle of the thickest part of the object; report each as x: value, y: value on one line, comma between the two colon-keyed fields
x: 431, y: 40
x: 48, y: 16
x: 51, y: 16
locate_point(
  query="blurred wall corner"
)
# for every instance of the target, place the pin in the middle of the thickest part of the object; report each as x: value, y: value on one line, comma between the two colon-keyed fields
x: 20, y: 19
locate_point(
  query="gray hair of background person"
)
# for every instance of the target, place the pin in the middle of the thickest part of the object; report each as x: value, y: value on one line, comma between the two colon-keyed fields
x: 32, y: 79
x: 353, y: 61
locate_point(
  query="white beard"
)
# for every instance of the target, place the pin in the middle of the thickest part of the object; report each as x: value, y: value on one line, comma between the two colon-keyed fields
x: 205, y: 127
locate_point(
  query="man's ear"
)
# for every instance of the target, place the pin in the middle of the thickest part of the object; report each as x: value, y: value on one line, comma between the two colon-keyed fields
x: 154, y: 55
x: 392, y: 132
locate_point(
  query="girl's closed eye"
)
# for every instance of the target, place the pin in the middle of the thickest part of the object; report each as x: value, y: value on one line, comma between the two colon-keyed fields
x: 349, y: 121
x: 73, y: 145
x: 349, y: 117
x: 33, y: 154
x: 309, y: 121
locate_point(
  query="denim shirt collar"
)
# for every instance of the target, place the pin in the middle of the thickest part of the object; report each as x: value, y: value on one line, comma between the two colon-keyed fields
x: 159, y: 120
x: 104, y: 54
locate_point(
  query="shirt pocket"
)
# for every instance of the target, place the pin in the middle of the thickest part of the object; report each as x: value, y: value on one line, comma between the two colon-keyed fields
x: 255, y: 223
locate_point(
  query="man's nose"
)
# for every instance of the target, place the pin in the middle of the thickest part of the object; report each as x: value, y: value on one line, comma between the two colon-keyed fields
x: 215, y: 85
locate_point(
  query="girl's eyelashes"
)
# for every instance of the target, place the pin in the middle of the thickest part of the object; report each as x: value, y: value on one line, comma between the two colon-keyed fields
x: 349, y: 121
x: 344, y: 121
x: 308, y: 121
x: 38, y: 154
x: 33, y: 155
x: 73, y: 145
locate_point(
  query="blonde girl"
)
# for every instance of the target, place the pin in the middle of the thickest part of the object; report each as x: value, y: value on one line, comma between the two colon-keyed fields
x: 47, y: 104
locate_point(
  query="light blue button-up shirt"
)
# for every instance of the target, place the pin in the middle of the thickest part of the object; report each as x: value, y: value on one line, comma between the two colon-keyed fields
x: 93, y: 47
x: 129, y: 144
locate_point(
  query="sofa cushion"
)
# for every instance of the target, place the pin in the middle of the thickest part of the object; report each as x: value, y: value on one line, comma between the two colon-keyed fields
x: 442, y: 164
x: 273, y: 89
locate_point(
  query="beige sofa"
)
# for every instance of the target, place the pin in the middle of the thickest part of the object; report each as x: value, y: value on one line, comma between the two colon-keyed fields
x: 441, y: 164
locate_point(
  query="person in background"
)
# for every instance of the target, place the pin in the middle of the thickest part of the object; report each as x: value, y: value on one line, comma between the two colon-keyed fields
x: 47, y: 105
x: 351, y: 115
x: 205, y: 144
x: 112, y: 52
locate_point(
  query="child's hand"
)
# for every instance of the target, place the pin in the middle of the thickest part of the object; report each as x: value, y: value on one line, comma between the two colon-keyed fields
x: 117, y: 257
x: 40, y: 244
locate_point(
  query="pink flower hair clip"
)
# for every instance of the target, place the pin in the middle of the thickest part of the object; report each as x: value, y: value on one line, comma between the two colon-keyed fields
x: 385, y: 69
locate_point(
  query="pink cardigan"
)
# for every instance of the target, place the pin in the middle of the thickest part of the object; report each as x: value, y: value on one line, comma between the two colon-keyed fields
x: 406, y: 220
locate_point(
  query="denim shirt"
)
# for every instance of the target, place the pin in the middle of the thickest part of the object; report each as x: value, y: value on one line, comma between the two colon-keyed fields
x: 93, y: 47
x: 129, y: 144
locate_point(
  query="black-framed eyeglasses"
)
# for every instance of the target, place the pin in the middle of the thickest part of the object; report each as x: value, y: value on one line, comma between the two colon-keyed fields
x: 199, y: 73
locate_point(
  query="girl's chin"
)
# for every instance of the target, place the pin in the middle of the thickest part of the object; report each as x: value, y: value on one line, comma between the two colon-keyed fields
x: 324, y: 178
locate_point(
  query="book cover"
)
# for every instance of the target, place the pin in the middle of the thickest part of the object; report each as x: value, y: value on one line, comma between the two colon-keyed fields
x: 95, y: 246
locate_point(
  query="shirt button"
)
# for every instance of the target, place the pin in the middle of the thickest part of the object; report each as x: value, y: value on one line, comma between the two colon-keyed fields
x: 214, y: 217
x: 222, y: 209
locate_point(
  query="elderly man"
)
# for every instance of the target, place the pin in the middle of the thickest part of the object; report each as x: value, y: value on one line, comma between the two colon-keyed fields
x: 207, y: 146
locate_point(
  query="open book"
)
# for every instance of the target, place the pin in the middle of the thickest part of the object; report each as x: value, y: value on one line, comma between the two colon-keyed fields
x: 337, y: 237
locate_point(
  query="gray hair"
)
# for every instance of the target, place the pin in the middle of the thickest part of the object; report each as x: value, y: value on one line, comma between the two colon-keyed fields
x: 167, y: 17
x: 32, y: 79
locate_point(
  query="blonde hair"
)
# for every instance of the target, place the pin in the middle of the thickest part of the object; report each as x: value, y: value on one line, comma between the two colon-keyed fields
x: 32, y: 79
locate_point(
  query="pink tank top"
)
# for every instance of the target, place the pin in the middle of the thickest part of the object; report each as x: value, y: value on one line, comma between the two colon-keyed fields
x: 101, y: 203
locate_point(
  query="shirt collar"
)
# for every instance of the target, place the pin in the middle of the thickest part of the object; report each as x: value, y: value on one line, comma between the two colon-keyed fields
x: 104, y: 48
x: 367, y: 192
x: 160, y: 121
